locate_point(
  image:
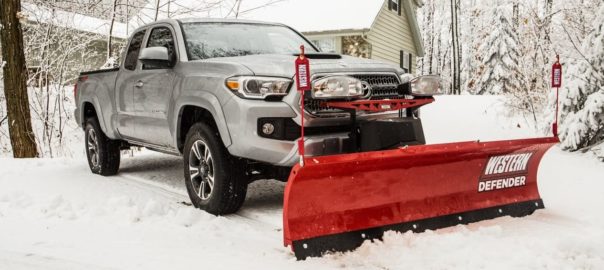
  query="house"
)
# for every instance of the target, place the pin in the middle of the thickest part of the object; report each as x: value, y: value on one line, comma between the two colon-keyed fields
x: 61, y: 43
x: 385, y: 30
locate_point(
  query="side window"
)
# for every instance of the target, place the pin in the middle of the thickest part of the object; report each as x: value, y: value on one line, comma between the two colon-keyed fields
x: 161, y: 37
x: 133, y: 50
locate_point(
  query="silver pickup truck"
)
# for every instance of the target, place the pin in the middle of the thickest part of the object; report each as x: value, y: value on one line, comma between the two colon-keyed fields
x: 222, y: 94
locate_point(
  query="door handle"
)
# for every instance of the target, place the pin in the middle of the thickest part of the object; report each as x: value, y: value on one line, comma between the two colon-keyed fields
x: 139, y: 84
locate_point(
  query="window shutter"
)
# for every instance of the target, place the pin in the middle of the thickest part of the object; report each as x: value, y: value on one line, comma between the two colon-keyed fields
x: 410, y: 63
x: 403, y: 59
x: 399, y: 7
x: 389, y: 4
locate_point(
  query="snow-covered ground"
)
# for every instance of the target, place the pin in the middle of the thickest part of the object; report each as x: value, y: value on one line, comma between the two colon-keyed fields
x: 55, y: 214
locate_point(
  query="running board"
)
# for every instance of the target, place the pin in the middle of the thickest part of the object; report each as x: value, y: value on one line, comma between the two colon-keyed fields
x: 348, y: 241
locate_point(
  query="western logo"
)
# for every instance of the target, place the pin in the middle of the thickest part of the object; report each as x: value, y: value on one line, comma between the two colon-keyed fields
x: 505, y: 171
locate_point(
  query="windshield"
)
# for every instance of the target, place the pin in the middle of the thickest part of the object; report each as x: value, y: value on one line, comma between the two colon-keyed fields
x: 211, y: 40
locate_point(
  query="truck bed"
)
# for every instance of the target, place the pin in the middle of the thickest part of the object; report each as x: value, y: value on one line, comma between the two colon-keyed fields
x: 99, y: 71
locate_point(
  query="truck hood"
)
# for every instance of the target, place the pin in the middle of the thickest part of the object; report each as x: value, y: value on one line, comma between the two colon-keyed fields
x: 283, y: 65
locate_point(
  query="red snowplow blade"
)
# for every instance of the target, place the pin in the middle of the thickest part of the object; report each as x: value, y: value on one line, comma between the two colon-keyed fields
x: 334, y: 203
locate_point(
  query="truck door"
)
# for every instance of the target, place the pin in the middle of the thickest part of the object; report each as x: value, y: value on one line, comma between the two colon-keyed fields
x: 124, y: 88
x: 153, y: 92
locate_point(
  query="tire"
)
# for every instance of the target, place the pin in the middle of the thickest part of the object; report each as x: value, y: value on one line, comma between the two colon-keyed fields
x: 103, y: 153
x: 218, y: 184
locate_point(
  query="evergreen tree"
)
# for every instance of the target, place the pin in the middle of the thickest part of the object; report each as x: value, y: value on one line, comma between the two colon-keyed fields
x: 499, y: 71
x: 582, y: 98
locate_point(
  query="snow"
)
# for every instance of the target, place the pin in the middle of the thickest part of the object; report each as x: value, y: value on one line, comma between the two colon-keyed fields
x: 72, y: 20
x: 55, y: 214
x: 318, y: 15
x: 307, y: 15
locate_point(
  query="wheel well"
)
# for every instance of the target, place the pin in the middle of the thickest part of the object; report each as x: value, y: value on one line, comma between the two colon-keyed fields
x: 89, y: 111
x: 190, y: 115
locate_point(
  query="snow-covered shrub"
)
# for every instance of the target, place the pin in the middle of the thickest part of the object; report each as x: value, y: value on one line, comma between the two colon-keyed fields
x: 582, y: 96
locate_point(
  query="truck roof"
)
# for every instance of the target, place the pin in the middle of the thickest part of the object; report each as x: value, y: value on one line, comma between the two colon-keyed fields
x: 206, y: 20
x: 224, y: 20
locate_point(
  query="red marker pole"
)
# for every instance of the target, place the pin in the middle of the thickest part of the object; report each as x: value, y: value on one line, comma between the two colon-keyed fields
x: 303, y: 84
x: 556, y: 82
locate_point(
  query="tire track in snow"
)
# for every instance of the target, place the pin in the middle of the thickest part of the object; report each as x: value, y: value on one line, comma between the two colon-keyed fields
x: 180, y: 197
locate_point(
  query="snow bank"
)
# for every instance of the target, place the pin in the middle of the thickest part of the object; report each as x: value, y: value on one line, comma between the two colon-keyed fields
x: 470, y: 117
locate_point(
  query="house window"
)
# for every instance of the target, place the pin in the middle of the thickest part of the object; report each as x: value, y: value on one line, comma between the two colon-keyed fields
x: 326, y: 44
x: 406, y: 59
x: 394, y: 5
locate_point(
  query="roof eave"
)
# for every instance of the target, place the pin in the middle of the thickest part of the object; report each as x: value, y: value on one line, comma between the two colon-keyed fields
x: 337, y: 32
x: 417, y: 37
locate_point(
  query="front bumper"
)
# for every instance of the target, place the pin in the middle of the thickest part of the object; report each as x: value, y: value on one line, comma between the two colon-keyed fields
x: 242, y: 117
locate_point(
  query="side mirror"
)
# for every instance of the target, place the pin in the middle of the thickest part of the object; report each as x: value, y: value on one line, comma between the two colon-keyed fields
x: 156, y: 57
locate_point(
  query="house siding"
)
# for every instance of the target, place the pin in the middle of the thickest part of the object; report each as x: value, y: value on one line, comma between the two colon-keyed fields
x: 389, y: 34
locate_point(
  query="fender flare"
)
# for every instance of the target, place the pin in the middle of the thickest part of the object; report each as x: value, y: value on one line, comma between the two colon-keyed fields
x: 206, y: 101
x: 99, y: 115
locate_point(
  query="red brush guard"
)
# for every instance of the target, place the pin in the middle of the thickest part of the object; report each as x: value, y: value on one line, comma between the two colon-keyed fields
x: 334, y: 203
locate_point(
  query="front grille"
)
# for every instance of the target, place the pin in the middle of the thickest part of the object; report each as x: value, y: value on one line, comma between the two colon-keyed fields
x: 382, y: 86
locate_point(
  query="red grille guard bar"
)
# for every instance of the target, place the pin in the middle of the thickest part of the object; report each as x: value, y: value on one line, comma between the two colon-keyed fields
x: 379, y: 105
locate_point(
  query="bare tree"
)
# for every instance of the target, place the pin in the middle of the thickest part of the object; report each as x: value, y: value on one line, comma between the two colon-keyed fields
x: 15, y: 81
x: 111, y: 24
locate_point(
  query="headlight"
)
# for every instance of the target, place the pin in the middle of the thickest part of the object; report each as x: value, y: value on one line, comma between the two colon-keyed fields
x: 258, y: 87
x: 428, y: 85
x: 337, y: 87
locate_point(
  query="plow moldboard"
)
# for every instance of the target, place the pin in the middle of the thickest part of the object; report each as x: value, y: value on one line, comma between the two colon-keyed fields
x: 334, y: 203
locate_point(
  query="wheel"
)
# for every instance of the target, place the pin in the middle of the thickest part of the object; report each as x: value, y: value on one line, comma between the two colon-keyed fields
x: 215, y: 180
x: 103, y: 153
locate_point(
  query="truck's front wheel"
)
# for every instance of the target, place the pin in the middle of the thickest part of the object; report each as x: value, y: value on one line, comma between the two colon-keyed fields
x: 215, y: 180
x: 103, y: 153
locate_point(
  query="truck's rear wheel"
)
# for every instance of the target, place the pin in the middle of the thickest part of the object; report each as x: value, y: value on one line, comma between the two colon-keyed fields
x: 103, y: 153
x: 216, y: 181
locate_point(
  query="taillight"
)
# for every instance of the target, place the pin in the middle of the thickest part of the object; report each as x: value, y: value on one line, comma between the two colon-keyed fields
x: 75, y: 87
x: 75, y: 91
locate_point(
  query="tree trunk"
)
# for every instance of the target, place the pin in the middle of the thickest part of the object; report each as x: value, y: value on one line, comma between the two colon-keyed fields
x: 454, y: 57
x: 15, y: 81
x: 459, y: 47
x: 110, y: 36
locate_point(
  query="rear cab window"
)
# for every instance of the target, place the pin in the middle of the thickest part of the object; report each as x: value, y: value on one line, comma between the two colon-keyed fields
x: 133, y: 50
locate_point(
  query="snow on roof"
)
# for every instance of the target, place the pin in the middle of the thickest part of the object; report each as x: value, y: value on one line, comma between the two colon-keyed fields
x: 72, y: 20
x: 317, y: 15
x: 303, y: 15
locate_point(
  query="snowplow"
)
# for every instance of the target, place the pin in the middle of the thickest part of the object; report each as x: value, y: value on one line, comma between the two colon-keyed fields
x: 336, y: 202
x: 233, y: 115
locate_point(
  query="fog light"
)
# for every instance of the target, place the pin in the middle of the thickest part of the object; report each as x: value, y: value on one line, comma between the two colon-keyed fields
x: 268, y: 128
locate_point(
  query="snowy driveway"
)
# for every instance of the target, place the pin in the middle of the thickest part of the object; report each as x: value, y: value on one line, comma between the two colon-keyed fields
x: 54, y: 214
